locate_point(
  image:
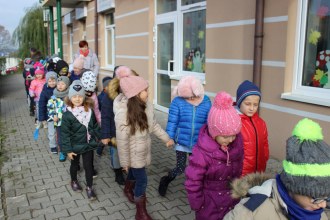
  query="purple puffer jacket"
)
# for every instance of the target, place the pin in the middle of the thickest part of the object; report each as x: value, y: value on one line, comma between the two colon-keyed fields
x: 209, y: 174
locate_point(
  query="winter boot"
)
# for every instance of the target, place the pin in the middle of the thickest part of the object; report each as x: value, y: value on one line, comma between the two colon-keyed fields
x: 128, y: 190
x: 119, y: 176
x: 90, y: 193
x: 141, y: 211
x: 163, y: 184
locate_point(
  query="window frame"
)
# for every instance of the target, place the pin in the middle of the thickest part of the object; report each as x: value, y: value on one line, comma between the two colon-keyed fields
x: 110, y: 27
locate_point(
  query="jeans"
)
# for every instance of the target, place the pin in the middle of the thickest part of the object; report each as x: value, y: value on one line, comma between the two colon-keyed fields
x: 51, y: 134
x: 114, y: 157
x: 141, y: 180
x: 88, y: 158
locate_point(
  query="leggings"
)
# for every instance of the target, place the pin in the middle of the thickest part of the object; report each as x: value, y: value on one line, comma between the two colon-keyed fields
x: 88, y: 158
x: 181, y: 158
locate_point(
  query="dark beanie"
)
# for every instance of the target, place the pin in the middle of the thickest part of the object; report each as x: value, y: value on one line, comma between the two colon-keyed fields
x: 105, y: 81
x: 246, y: 88
x: 306, y: 169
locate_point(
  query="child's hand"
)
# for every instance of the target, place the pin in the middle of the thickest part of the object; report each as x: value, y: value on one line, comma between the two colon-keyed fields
x: 113, y: 142
x: 170, y: 143
x: 55, y: 119
x: 71, y: 155
x: 105, y: 141
x: 125, y: 169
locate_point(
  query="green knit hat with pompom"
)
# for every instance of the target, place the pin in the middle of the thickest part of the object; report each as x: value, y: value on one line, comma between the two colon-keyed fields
x: 306, y: 169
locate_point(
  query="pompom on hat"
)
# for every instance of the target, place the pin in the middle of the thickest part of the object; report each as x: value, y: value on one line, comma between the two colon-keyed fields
x: 223, y: 119
x: 306, y: 169
x: 246, y: 89
x: 189, y: 86
x: 123, y: 71
x: 133, y: 85
x: 76, y: 88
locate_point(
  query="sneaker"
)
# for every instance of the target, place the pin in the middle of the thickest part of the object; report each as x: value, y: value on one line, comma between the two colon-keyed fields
x: 36, y: 122
x: 75, y: 186
x: 53, y: 150
x: 62, y: 157
x: 90, y: 193
x: 94, y: 174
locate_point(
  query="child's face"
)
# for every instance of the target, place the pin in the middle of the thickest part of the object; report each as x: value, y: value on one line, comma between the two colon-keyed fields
x: 225, y: 140
x: 144, y: 95
x: 306, y: 202
x: 76, y: 70
x: 250, y: 105
x: 77, y: 100
x: 39, y: 76
x: 61, y: 86
x: 51, y: 82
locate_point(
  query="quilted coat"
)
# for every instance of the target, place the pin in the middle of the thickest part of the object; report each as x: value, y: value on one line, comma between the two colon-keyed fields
x: 45, y: 95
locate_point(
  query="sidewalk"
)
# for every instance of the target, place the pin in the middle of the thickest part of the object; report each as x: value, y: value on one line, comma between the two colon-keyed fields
x: 35, y: 185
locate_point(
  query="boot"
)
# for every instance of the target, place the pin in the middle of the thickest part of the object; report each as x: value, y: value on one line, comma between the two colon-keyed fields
x: 163, y: 184
x: 119, y: 176
x: 141, y: 211
x: 128, y: 190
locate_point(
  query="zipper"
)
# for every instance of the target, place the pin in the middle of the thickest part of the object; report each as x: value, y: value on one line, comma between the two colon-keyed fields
x: 255, y: 131
x: 193, y: 126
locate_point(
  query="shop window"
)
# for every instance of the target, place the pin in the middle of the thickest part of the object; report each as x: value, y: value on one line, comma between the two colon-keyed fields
x: 110, y: 40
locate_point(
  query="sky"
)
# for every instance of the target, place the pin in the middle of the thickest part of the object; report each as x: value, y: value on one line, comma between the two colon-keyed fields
x: 12, y: 11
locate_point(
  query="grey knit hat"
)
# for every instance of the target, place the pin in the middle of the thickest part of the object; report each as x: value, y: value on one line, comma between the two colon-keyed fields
x: 306, y: 170
x: 64, y: 79
x: 76, y: 88
x: 51, y: 74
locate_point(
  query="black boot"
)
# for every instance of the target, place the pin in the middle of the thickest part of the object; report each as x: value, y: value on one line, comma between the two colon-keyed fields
x: 163, y: 184
x: 119, y: 176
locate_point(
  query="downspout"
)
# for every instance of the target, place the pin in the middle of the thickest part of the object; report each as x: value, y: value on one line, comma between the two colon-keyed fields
x: 59, y: 28
x: 258, y: 42
x: 96, y: 29
x: 51, y: 31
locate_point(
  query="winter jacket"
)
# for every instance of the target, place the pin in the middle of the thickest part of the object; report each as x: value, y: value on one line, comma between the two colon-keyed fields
x: 108, y: 127
x: 209, y: 174
x: 256, y: 149
x: 56, y: 107
x: 91, y: 61
x: 96, y: 108
x: 45, y: 95
x: 185, y: 120
x: 135, y: 150
x: 74, y: 77
x: 272, y: 208
x: 36, y: 87
x: 74, y: 134
x: 99, y: 99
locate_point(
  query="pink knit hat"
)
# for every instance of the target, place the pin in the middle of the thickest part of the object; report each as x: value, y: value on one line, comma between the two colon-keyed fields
x: 79, y: 62
x: 132, y: 85
x: 189, y: 86
x: 39, y: 68
x: 123, y: 71
x: 223, y: 119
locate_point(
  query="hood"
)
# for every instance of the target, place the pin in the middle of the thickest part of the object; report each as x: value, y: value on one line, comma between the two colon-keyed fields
x: 240, y: 187
x: 120, y: 102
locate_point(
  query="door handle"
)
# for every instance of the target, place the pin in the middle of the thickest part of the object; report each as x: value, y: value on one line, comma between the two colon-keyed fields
x: 169, y: 67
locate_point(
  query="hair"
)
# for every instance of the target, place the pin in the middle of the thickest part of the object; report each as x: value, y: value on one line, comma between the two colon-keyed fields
x: 87, y: 103
x: 83, y: 43
x: 136, y: 115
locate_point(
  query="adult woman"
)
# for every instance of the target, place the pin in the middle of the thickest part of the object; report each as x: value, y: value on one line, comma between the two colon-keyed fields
x: 91, y: 61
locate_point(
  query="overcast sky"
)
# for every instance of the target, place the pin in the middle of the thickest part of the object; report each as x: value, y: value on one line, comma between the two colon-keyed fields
x: 11, y: 11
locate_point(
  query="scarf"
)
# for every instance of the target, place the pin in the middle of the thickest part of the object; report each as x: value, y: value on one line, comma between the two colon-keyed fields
x: 82, y: 116
x: 84, y: 53
x: 294, y: 210
x: 59, y: 94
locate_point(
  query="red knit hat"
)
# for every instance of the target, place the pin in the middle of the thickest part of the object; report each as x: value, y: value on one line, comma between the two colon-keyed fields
x: 223, y: 119
x: 132, y: 85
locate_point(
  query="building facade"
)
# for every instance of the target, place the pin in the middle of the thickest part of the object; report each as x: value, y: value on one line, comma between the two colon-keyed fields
x: 215, y: 40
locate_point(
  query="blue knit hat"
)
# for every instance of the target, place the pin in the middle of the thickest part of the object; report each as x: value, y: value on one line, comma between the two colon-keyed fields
x: 246, y: 89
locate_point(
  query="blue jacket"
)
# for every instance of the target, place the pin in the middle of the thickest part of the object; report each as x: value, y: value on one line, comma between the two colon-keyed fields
x: 73, y: 77
x: 108, y: 127
x: 45, y: 95
x: 185, y: 120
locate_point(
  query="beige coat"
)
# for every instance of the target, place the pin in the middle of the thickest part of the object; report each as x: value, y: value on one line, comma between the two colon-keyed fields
x: 135, y: 151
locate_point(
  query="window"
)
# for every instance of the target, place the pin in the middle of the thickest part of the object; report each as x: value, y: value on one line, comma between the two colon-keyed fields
x: 311, y: 82
x: 110, y: 41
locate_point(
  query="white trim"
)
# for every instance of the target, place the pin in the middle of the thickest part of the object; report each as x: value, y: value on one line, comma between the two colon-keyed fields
x: 132, y: 57
x: 273, y: 63
x: 90, y: 25
x: 64, y: 33
x: 245, y: 62
x: 91, y: 9
x: 132, y: 35
x: 246, y: 22
x: 132, y: 13
x: 306, y: 99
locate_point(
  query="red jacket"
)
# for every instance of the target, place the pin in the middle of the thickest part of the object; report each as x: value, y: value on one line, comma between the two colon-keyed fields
x: 256, y: 148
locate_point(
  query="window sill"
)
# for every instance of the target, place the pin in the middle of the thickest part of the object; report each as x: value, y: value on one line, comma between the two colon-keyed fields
x: 306, y: 99
x: 107, y: 68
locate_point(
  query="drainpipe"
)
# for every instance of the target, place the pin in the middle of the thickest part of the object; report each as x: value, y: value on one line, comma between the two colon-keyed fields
x: 96, y: 30
x: 258, y: 42
x: 51, y: 31
x: 59, y: 29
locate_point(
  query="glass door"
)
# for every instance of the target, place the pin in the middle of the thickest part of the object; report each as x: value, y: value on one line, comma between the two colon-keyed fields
x: 165, y: 63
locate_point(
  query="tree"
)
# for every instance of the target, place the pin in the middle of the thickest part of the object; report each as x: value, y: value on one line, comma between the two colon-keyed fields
x: 31, y: 32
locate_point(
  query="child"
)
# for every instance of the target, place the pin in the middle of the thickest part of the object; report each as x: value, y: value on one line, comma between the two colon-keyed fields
x: 28, y: 75
x: 254, y: 129
x: 300, y: 191
x: 216, y: 159
x: 62, y: 68
x: 45, y: 95
x: 105, y: 82
x: 134, y: 119
x: 79, y: 136
x: 88, y: 79
x: 36, y: 86
x: 56, y: 107
x: 187, y: 114
x: 78, y: 66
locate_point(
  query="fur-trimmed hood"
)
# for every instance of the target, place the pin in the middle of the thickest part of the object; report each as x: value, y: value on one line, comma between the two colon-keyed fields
x: 241, y: 186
